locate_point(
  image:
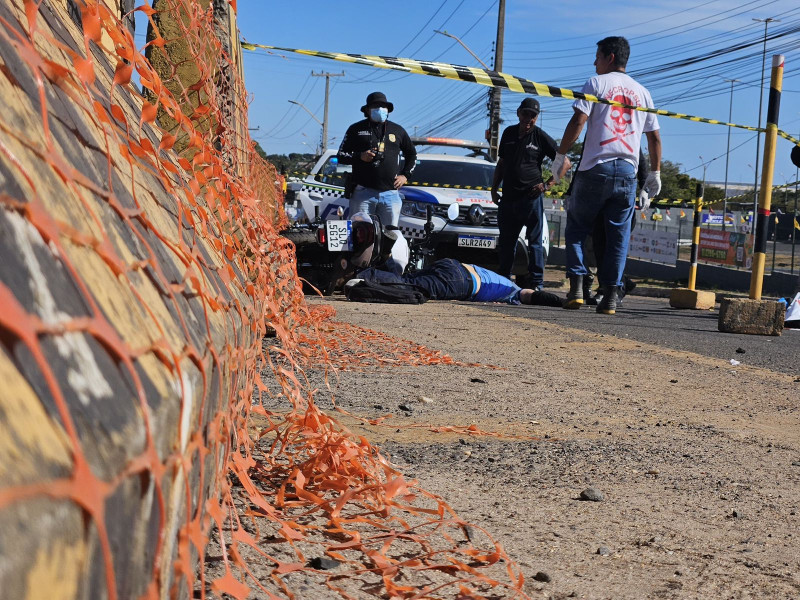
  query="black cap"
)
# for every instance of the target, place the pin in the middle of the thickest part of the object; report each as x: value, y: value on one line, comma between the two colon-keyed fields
x: 531, y: 104
x: 377, y: 98
x: 796, y: 156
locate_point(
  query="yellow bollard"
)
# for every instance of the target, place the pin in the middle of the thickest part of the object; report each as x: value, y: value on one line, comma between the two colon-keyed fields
x: 765, y: 195
x: 689, y: 297
x: 698, y: 211
x: 754, y: 315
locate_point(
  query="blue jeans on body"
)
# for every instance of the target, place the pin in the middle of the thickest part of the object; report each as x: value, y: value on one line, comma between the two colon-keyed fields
x: 607, y: 190
x: 386, y: 204
x: 512, y: 214
x: 446, y: 279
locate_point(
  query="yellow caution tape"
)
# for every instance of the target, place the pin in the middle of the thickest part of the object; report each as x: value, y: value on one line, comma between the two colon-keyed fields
x: 659, y: 202
x: 492, y: 79
x: 479, y: 188
x: 410, y: 183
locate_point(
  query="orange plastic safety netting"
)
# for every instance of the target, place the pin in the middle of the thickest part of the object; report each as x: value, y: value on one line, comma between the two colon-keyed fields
x: 155, y: 441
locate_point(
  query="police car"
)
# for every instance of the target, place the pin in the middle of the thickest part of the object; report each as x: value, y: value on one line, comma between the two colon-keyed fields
x: 438, y: 180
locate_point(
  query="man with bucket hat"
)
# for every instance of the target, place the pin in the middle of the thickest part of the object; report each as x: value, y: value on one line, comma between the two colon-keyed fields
x: 519, y: 168
x: 374, y: 147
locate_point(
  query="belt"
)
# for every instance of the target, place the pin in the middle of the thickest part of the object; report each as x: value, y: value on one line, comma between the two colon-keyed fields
x: 476, y: 281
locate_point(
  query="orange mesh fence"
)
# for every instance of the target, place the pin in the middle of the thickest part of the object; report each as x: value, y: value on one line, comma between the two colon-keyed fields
x: 153, y: 442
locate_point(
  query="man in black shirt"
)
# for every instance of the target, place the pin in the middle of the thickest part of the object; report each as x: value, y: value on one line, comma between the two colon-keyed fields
x: 519, y: 168
x: 373, y: 146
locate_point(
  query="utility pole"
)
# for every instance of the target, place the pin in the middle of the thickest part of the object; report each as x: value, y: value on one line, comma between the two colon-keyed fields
x: 327, y: 77
x: 727, y: 156
x: 495, y: 93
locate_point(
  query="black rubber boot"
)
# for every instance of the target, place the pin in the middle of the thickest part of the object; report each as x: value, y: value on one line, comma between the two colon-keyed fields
x: 575, y: 295
x: 588, y: 281
x: 608, y: 305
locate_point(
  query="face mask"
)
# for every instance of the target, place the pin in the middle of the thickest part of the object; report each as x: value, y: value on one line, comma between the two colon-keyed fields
x: 379, y: 115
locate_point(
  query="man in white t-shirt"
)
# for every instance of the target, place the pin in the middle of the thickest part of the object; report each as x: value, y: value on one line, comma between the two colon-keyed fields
x: 605, y: 183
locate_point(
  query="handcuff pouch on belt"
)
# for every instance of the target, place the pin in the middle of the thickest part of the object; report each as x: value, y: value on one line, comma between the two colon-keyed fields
x: 349, y: 185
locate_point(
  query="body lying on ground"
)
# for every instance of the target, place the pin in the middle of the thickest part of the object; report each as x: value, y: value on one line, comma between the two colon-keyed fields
x: 449, y: 279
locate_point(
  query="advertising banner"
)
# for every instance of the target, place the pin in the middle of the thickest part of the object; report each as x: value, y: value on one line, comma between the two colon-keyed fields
x: 726, y: 248
x: 708, y: 219
x: 658, y: 246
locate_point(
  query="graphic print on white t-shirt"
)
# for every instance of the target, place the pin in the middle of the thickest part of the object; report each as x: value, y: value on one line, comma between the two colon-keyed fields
x: 620, y: 120
x: 614, y: 132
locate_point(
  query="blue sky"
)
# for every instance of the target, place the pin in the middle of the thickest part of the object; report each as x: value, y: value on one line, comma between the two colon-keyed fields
x: 551, y: 43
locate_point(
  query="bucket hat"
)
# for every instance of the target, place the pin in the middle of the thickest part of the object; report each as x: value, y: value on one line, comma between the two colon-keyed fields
x: 377, y: 98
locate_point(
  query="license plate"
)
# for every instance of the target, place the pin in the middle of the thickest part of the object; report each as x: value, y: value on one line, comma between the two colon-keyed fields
x: 477, y: 241
x: 339, y: 235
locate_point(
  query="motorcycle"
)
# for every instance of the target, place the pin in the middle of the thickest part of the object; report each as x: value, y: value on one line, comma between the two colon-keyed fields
x: 422, y: 252
x: 331, y: 252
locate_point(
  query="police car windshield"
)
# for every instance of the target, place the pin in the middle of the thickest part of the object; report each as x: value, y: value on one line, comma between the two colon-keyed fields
x: 452, y: 173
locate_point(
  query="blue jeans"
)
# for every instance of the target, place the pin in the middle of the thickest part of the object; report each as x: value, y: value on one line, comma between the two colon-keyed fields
x: 386, y: 204
x: 512, y: 215
x: 446, y: 279
x: 608, y: 191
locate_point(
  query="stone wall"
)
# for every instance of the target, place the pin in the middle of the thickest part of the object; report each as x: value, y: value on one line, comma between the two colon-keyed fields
x: 128, y: 321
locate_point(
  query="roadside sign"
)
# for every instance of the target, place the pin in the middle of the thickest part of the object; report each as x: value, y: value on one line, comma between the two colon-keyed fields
x: 726, y: 248
x: 709, y: 219
x: 658, y: 246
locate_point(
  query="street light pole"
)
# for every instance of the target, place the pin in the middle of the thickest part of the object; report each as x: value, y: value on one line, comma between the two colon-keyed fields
x: 313, y: 116
x: 456, y: 38
x: 766, y: 23
x: 727, y: 157
x: 705, y: 164
x: 303, y: 106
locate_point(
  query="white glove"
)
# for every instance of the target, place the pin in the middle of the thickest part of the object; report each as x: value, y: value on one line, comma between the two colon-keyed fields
x: 557, y: 166
x: 652, y: 185
x: 644, y: 200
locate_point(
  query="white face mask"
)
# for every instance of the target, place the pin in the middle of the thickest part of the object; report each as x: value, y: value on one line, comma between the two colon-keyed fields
x: 379, y: 115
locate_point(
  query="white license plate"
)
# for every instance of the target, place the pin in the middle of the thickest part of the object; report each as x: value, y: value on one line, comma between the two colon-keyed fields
x: 477, y: 241
x: 339, y: 235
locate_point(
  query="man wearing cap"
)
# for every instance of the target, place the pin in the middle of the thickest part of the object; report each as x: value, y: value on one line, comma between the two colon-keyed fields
x: 374, y: 147
x: 519, y: 168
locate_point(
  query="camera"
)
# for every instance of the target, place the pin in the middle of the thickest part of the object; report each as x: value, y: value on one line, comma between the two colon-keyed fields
x: 379, y: 156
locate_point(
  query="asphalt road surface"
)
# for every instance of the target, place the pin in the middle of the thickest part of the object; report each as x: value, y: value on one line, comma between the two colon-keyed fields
x: 651, y: 320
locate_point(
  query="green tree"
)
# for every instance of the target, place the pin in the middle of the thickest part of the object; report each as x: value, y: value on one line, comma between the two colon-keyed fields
x: 574, y: 155
x: 674, y: 184
x: 292, y: 163
x: 680, y: 186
